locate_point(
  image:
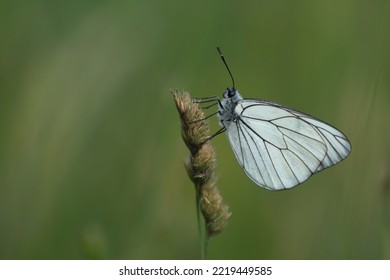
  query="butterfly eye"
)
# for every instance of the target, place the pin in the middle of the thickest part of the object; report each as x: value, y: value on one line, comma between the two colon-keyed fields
x: 231, y: 92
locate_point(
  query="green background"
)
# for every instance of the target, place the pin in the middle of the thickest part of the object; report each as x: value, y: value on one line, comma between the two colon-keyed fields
x: 91, y: 157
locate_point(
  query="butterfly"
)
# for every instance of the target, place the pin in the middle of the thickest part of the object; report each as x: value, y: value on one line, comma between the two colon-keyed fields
x: 277, y: 147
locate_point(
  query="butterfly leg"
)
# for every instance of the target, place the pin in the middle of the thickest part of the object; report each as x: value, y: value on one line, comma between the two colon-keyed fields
x: 222, y: 130
x: 205, y: 118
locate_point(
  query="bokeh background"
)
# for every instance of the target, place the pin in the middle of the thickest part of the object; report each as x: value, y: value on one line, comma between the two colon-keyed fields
x: 91, y: 157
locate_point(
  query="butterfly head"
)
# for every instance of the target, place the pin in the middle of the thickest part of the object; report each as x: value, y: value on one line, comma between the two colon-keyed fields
x: 230, y: 92
x: 232, y: 95
x: 227, y: 105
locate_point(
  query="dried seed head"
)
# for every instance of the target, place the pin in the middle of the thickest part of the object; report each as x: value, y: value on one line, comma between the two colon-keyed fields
x: 200, y: 164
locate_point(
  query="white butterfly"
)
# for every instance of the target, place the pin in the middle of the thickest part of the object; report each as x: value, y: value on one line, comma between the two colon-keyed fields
x: 278, y: 147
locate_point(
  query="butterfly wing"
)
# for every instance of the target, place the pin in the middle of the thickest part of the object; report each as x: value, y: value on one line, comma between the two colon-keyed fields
x: 278, y: 147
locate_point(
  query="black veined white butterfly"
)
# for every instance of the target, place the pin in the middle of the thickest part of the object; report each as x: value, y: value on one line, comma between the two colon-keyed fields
x: 277, y: 147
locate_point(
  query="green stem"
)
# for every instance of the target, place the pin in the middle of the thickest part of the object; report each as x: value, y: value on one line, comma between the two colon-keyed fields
x: 203, y: 236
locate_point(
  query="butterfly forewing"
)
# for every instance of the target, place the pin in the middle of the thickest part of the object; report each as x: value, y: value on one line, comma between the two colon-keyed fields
x: 278, y: 147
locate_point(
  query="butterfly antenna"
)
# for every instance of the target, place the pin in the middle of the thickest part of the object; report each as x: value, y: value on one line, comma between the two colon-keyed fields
x: 227, y: 67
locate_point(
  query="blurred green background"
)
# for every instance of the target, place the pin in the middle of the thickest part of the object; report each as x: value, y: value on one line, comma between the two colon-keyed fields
x: 91, y: 157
